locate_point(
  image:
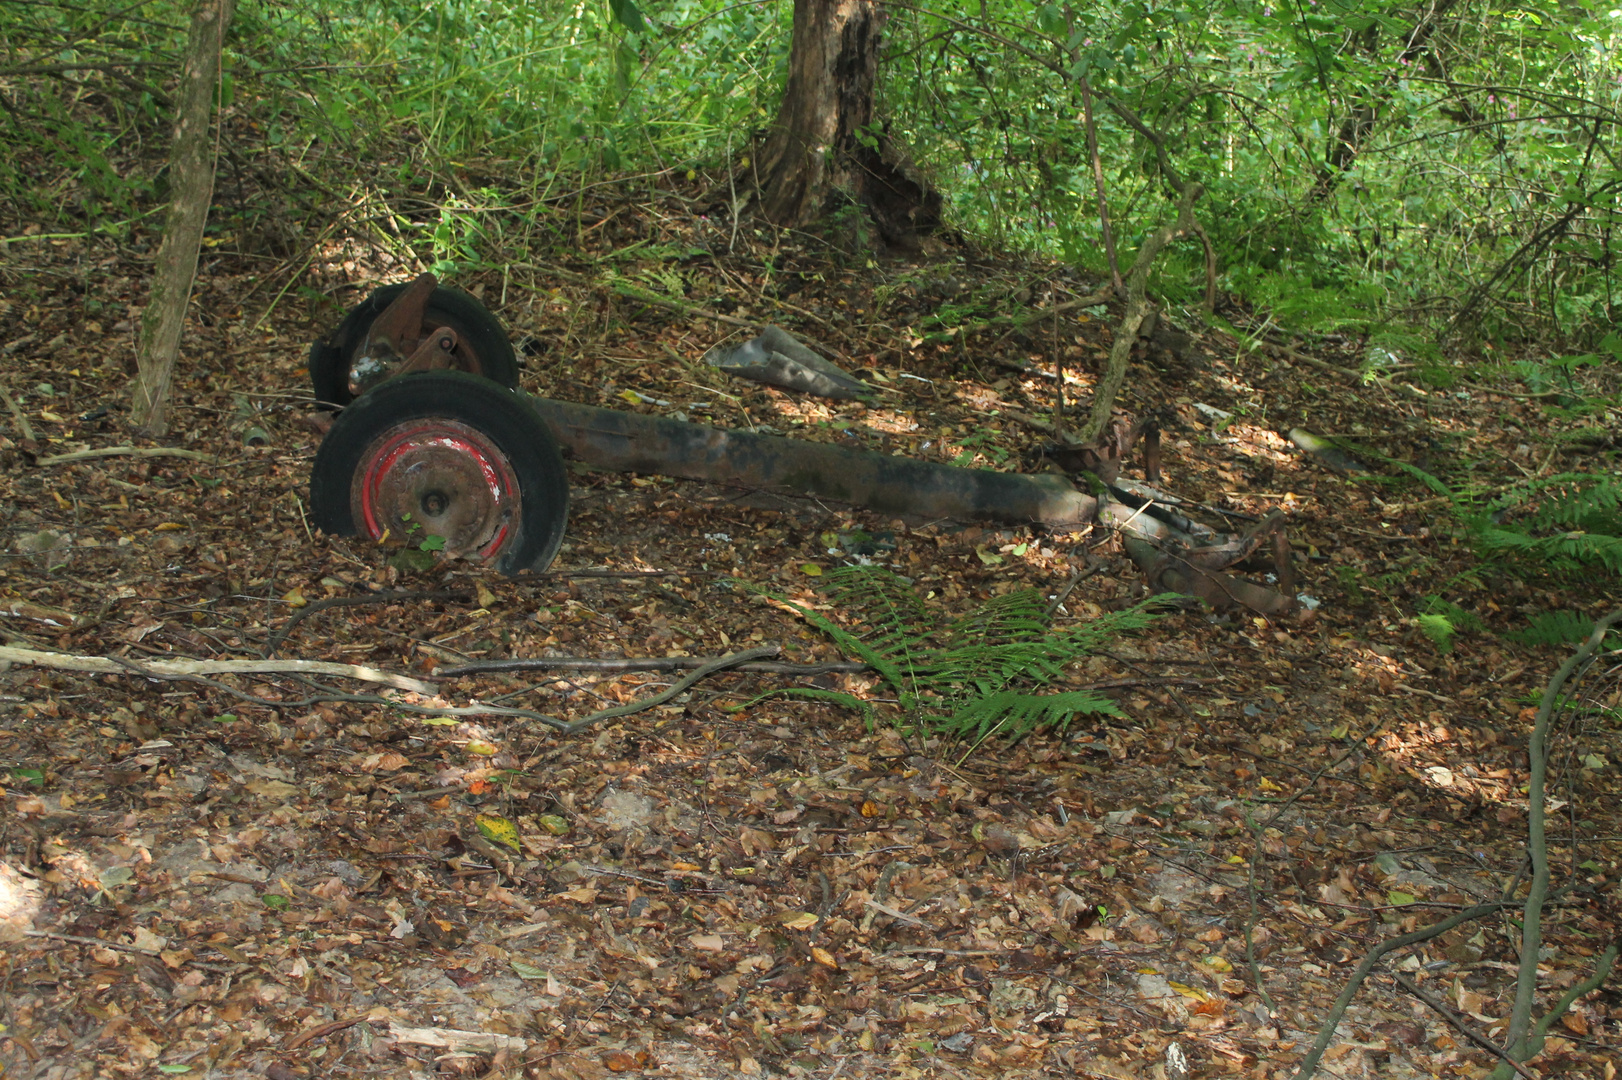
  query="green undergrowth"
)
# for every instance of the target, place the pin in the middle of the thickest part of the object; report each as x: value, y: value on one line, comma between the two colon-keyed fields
x: 1567, y: 526
x: 990, y: 673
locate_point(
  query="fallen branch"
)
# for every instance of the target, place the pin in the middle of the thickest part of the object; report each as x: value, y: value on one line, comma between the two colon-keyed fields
x: 128, y: 451
x: 1439, y: 1007
x: 643, y: 663
x: 23, y: 429
x: 321, y: 1031
x: 722, y: 663
x: 1522, y: 1040
x: 451, y: 1039
x: 180, y: 669
x: 1326, y: 1032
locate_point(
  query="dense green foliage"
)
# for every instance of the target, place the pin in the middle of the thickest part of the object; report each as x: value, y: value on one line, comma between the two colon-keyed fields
x: 1367, y: 165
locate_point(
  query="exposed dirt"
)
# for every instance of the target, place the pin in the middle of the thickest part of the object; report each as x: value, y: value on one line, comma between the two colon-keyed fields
x: 249, y: 877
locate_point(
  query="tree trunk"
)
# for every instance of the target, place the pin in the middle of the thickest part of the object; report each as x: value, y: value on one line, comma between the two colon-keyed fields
x: 824, y: 138
x: 191, y: 173
x: 1353, y: 132
x: 1138, y: 308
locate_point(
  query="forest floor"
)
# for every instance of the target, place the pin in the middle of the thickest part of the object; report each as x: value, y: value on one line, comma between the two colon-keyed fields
x: 259, y: 876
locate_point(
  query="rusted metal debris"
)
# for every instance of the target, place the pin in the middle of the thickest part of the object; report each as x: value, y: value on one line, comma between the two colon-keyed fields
x: 1106, y: 458
x: 395, y: 344
x: 1178, y: 564
x: 1176, y: 553
x: 631, y: 442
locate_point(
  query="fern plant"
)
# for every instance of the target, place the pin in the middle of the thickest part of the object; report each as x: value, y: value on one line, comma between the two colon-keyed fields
x: 976, y: 677
x: 1554, y: 628
x: 1567, y: 522
x: 1570, y: 521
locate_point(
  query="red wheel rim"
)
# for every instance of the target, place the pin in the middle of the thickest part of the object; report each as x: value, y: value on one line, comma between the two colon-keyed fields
x: 437, y: 477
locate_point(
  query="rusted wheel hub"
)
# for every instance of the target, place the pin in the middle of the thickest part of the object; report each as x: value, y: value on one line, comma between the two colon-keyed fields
x: 437, y: 477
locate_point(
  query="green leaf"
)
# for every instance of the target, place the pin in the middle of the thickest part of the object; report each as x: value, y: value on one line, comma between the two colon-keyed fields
x: 628, y: 15
x: 497, y: 830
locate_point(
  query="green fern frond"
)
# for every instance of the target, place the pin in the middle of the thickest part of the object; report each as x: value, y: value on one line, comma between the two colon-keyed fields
x: 1461, y: 618
x: 1589, y: 501
x: 850, y: 644
x: 1440, y: 630
x: 980, y: 674
x: 892, y: 619
x: 1567, y: 551
x: 1436, y: 484
x: 1010, y: 713
x: 1020, y: 615
x: 1554, y: 628
x: 1567, y: 522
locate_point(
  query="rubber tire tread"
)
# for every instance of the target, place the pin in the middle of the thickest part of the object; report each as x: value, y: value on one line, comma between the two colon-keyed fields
x: 482, y: 332
x: 503, y: 415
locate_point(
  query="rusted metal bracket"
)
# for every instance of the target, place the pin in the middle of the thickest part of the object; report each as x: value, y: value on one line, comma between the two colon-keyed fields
x: 396, y: 345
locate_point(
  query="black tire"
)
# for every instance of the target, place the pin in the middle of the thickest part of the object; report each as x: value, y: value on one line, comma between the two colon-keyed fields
x: 482, y: 346
x: 450, y: 454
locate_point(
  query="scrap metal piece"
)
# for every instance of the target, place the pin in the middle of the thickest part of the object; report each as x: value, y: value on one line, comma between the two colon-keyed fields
x: 1171, y: 564
x: 1326, y: 452
x: 395, y: 344
x: 776, y: 358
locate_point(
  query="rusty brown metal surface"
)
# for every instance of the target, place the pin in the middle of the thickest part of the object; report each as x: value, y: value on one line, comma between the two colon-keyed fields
x: 630, y: 442
x: 436, y: 353
x: 398, y: 326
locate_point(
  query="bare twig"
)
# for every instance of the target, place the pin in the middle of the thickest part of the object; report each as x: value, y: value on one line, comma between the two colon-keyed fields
x: 98, y: 942
x: 721, y: 663
x: 644, y: 663
x: 1326, y: 1032
x: 1080, y: 575
x: 1522, y: 1043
